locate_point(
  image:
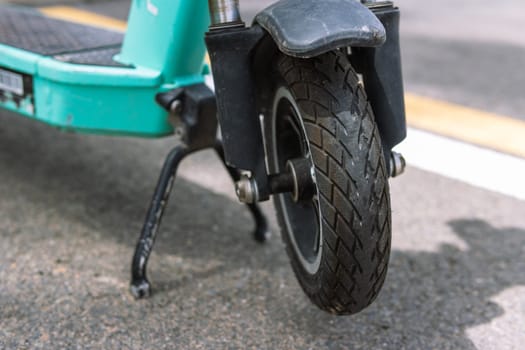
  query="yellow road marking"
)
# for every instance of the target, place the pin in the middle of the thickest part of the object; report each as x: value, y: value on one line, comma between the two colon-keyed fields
x: 489, y: 130
x: 83, y: 17
x: 484, y: 129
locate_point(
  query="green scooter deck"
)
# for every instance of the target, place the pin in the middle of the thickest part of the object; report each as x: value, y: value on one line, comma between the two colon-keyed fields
x: 65, y: 74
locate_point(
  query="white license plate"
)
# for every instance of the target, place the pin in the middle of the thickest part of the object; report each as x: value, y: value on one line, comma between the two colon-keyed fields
x: 11, y: 82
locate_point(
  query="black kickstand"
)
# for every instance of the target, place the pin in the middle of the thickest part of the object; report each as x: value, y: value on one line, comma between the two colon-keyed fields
x: 261, y: 232
x: 140, y: 286
x: 193, y: 107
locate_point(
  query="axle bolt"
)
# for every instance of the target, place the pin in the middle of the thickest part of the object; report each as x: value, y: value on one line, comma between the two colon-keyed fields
x: 397, y: 164
x: 246, y: 190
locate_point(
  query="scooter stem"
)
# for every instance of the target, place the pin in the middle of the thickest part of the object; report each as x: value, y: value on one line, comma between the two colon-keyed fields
x: 224, y: 13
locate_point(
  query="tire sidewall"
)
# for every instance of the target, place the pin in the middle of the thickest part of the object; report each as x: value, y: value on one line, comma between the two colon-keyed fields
x: 309, y: 275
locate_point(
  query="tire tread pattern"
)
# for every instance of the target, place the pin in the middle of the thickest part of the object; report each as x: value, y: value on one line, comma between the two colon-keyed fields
x: 352, y: 181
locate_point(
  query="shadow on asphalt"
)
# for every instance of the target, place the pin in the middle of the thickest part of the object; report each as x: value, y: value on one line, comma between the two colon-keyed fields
x: 430, y: 298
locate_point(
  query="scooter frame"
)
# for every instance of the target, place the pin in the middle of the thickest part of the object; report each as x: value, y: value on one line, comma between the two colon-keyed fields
x: 163, y: 49
x: 158, y: 87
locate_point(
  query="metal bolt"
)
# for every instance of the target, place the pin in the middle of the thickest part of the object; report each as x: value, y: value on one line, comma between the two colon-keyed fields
x: 246, y: 190
x: 397, y: 164
x: 175, y: 118
x: 176, y: 107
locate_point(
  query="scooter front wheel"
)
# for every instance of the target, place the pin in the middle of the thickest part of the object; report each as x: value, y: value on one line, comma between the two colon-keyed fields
x: 338, y: 238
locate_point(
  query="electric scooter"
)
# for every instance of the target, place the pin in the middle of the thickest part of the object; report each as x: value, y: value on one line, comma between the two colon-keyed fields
x: 308, y: 101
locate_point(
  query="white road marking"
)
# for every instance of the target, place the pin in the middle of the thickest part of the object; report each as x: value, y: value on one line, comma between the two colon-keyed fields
x: 461, y: 161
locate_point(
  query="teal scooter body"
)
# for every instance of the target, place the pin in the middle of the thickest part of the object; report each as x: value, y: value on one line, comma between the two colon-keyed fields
x: 162, y: 49
x: 295, y: 121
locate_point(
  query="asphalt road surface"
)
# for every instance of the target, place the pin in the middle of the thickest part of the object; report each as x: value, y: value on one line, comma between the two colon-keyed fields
x: 71, y: 207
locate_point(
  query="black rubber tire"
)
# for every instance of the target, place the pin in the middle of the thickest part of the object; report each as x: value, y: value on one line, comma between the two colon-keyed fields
x: 351, y: 178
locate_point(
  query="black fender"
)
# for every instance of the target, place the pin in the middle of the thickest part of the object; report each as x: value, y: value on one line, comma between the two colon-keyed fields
x: 308, y: 28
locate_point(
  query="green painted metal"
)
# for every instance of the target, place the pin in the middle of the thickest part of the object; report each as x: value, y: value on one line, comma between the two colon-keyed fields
x: 165, y: 48
x: 167, y: 35
x: 62, y: 72
x: 102, y: 109
x: 18, y: 60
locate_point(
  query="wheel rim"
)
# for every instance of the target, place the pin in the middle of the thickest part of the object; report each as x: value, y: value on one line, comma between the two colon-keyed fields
x: 302, y: 219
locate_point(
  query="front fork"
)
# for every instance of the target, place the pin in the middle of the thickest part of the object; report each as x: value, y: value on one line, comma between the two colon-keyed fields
x: 233, y: 47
